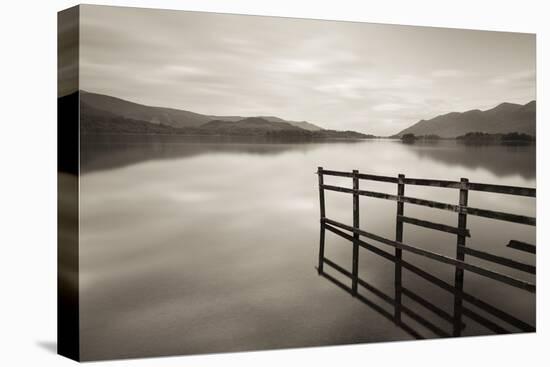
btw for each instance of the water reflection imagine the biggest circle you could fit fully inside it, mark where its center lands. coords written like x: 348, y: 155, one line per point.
x: 438, y: 321
x: 500, y: 159
x: 101, y: 152
x: 108, y: 152
x: 208, y: 245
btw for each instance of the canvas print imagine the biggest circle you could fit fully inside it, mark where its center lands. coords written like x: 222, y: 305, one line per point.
x: 233, y: 183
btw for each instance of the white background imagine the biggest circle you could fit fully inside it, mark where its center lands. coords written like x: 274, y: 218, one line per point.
x: 28, y: 183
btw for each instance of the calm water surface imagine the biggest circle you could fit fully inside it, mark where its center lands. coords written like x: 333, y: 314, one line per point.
x: 199, y: 246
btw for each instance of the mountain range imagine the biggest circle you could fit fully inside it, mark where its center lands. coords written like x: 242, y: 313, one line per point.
x: 502, y: 119
x: 102, y: 114
x: 169, y: 116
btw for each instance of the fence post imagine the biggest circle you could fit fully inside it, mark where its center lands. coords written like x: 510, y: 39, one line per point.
x: 355, y: 268
x: 322, y: 221
x: 460, y: 243
x: 398, y: 252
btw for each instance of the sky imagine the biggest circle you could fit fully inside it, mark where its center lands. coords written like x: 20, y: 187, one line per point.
x: 372, y: 78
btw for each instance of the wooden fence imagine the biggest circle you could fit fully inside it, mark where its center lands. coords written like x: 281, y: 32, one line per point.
x: 357, y: 237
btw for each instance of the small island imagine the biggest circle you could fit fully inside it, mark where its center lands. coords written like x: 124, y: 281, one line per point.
x: 411, y: 138
x: 478, y: 137
x: 473, y: 138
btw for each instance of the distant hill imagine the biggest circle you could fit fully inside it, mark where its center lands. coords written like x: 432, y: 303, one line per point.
x: 131, y: 110
x: 97, y: 121
x: 167, y: 116
x: 301, y: 124
x: 100, y: 114
x: 254, y: 123
x: 502, y: 119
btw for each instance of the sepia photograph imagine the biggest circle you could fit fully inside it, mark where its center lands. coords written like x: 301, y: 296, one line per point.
x: 232, y: 183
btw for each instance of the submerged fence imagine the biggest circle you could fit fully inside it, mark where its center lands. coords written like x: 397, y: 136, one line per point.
x: 355, y: 233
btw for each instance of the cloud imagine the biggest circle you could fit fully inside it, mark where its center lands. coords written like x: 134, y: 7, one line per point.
x: 451, y: 73
x: 342, y: 75
x: 516, y: 79
x: 296, y: 66
x: 388, y: 107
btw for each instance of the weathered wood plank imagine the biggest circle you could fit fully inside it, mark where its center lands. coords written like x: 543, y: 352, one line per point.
x: 522, y: 246
x: 460, y: 243
x: 499, y: 189
x: 398, y: 252
x: 406, y: 199
x: 521, y: 219
x: 355, y: 259
x: 321, y: 193
x: 433, y: 225
x: 432, y: 183
x: 322, y: 224
x: 502, y: 189
x: 431, y: 204
x: 500, y: 260
x: 378, y: 195
x: 492, y: 214
x: 338, y: 189
x: 364, y: 176
x: 361, y: 176
x: 335, y: 173
x: 475, y: 186
x: 530, y: 287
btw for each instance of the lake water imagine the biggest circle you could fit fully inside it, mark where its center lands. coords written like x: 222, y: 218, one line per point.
x: 204, y: 245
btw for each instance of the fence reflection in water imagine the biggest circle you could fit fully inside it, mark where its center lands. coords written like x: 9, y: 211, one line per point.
x: 455, y: 319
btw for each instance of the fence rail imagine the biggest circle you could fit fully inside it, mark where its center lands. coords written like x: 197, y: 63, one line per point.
x: 473, y: 186
x: 356, y: 236
x: 492, y: 214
